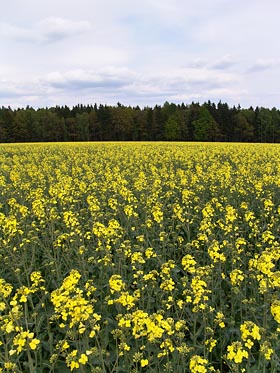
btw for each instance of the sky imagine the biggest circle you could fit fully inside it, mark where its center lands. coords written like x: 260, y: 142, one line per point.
x: 66, y: 52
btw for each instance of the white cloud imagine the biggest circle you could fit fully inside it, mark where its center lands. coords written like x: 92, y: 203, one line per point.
x: 263, y: 64
x: 12, y: 32
x: 55, y: 28
x: 215, y: 95
x: 47, y: 30
x: 128, y: 84
x: 224, y: 62
x: 62, y: 52
x: 121, y: 83
x: 109, y: 78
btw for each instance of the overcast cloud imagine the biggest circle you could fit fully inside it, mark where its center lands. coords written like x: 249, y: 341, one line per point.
x: 139, y: 52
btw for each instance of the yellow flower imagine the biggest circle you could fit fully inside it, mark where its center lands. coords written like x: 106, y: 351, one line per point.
x: 124, y: 322
x: 23, y: 299
x: 123, y: 347
x: 219, y: 319
x: 149, y: 252
x: 74, y: 365
x: 36, y: 278
x: 126, y: 300
x: 250, y: 330
x: 198, y: 364
x: 92, y: 334
x: 72, y: 360
x: 10, y: 365
x: 211, y: 343
x: 157, y: 213
x: 188, y: 263
x: 116, y: 283
x: 214, y: 252
x: 64, y: 346
x: 83, y: 359
x: 144, y: 362
x: 266, y: 349
x: 168, y: 285
x: 236, y: 352
x: 34, y: 343
x: 275, y: 310
x: 9, y: 327
x: 236, y: 277
x: 5, y: 288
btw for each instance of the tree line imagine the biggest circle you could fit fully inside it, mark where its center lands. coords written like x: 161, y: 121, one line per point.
x: 169, y: 122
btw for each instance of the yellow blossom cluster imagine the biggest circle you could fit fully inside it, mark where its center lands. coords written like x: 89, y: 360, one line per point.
x: 139, y: 257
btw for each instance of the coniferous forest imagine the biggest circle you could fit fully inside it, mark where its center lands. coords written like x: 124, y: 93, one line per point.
x: 169, y: 122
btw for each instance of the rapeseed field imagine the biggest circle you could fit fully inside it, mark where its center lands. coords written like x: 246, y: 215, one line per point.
x: 140, y: 257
